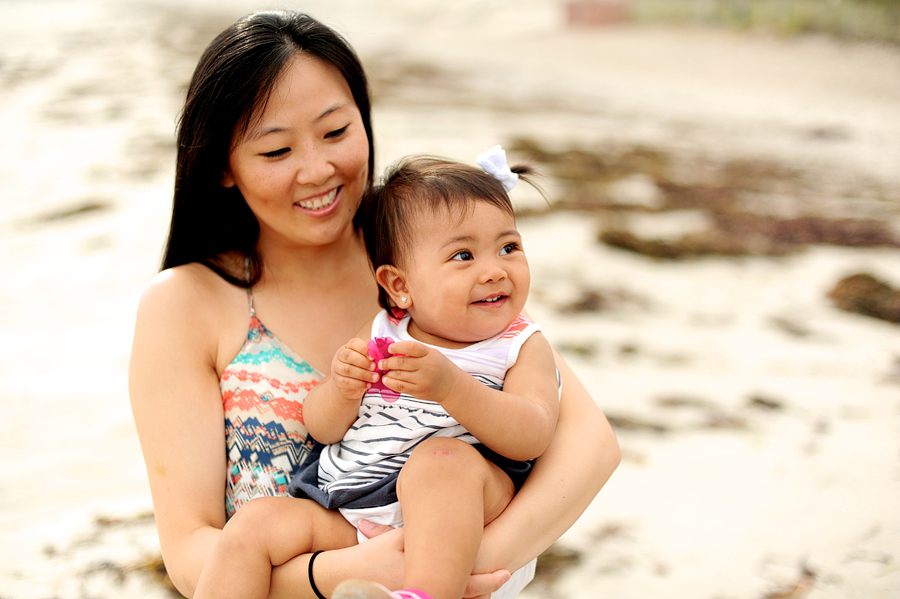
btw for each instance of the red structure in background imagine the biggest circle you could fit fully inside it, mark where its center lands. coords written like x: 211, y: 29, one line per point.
x: 593, y: 13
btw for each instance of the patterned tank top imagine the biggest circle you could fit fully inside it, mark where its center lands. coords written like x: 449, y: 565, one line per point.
x: 266, y: 439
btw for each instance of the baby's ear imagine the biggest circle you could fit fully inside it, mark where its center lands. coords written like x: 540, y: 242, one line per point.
x: 393, y: 281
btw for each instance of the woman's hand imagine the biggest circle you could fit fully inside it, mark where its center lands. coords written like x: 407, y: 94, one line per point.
x: 480, y: 586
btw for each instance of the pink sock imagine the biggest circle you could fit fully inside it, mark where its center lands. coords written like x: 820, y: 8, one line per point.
x: 410, y: 594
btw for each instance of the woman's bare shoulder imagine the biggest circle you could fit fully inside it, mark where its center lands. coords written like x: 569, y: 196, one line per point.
x: 189, y: 286
x: 192, y: 309
x: 194, y: 293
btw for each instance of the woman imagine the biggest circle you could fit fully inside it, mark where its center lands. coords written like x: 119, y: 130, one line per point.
x: 274, y: 153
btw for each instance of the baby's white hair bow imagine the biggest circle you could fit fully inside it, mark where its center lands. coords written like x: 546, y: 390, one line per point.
x: 493, y: 162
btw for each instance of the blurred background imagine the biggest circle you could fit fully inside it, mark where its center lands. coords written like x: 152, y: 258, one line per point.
x: 718, y: 261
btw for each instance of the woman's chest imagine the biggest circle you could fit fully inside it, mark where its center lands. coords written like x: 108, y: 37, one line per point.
x: 315, y: 328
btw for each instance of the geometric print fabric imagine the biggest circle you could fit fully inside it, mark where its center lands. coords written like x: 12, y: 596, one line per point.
x: 262, y: 392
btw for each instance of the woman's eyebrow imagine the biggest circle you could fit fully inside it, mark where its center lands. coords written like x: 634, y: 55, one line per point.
x: 259, y: 133
x: 332, y: 110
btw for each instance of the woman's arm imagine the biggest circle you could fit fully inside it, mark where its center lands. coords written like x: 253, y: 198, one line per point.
x: 178, y: 412
x: 580, y: 459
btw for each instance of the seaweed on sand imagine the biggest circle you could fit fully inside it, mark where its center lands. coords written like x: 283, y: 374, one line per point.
x: 752, y: 207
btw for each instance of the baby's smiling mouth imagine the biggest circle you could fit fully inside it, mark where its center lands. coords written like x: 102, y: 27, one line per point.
x: 321, y: 202
x: 491, y: 300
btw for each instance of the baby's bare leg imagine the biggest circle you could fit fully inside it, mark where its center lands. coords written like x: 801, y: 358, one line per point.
x: 448, y: 492
x: 266, y: 532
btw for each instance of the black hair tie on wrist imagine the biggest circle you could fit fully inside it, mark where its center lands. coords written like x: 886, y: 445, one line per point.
x: 312, y: 583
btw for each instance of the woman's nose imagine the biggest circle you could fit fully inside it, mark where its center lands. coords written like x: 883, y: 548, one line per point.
x: 314, y: 167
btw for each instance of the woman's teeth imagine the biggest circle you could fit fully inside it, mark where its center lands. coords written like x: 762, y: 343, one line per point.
x: 322, y: 202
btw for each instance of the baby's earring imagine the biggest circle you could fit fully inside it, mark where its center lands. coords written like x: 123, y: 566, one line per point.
x: 402, y: 301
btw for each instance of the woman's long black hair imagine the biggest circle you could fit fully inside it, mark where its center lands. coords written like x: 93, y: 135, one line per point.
x: 232, y: 81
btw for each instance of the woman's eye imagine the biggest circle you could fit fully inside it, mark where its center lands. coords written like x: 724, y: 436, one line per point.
x: 509, y: 248
x: 463, y: 255
x: 336, y: 132
x: 276, y: 153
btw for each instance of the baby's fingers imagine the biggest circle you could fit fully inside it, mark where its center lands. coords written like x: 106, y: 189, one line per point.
x: 349, y: 371
x: 405, y: 356
x: 354, y: 353
x: 401, y: 382
x: 413, y: 349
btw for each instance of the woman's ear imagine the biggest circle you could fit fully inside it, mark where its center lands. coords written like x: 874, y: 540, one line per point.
x: 227, y: 180
x: 393, y: 281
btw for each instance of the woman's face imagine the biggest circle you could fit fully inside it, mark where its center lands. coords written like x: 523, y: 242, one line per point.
x: 302, y: 165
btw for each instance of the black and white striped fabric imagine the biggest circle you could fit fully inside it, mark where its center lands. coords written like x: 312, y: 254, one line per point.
x: 360, y: 472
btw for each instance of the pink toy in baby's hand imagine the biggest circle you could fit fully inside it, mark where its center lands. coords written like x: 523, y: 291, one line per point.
x: 378, y: 350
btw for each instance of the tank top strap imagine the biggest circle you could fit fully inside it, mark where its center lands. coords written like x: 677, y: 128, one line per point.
x: 249, y: 289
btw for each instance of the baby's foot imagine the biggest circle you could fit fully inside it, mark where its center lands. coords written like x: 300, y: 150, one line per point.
x: 364, y: 589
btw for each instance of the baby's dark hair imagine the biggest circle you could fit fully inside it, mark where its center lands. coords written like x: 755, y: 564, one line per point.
x: 423, y: 184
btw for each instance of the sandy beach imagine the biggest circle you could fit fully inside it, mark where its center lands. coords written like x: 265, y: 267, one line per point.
x: 759, y: 423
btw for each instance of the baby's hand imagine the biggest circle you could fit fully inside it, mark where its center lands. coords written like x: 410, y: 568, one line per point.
x: 420, y: 371
x: 352, y: 370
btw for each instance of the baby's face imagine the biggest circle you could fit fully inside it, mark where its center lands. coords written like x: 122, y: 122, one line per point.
x: 467, y: 278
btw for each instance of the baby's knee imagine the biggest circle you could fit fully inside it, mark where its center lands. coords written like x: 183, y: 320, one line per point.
x: 442, y: 454
x: 437, y: 447
x: 256, y: 514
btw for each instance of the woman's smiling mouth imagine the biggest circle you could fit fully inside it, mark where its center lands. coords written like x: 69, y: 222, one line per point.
x: 320, y: 202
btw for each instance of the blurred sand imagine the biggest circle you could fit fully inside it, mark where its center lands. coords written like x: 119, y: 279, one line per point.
x: 750, y: 451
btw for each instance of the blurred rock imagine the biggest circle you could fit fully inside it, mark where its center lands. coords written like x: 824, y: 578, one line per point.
x: 862, y: 293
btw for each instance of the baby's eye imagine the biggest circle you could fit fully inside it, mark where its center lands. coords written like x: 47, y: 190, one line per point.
x: 276, y: 153
x: 336, y: 133
x: 509, y: 248
x: 462, y: 255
